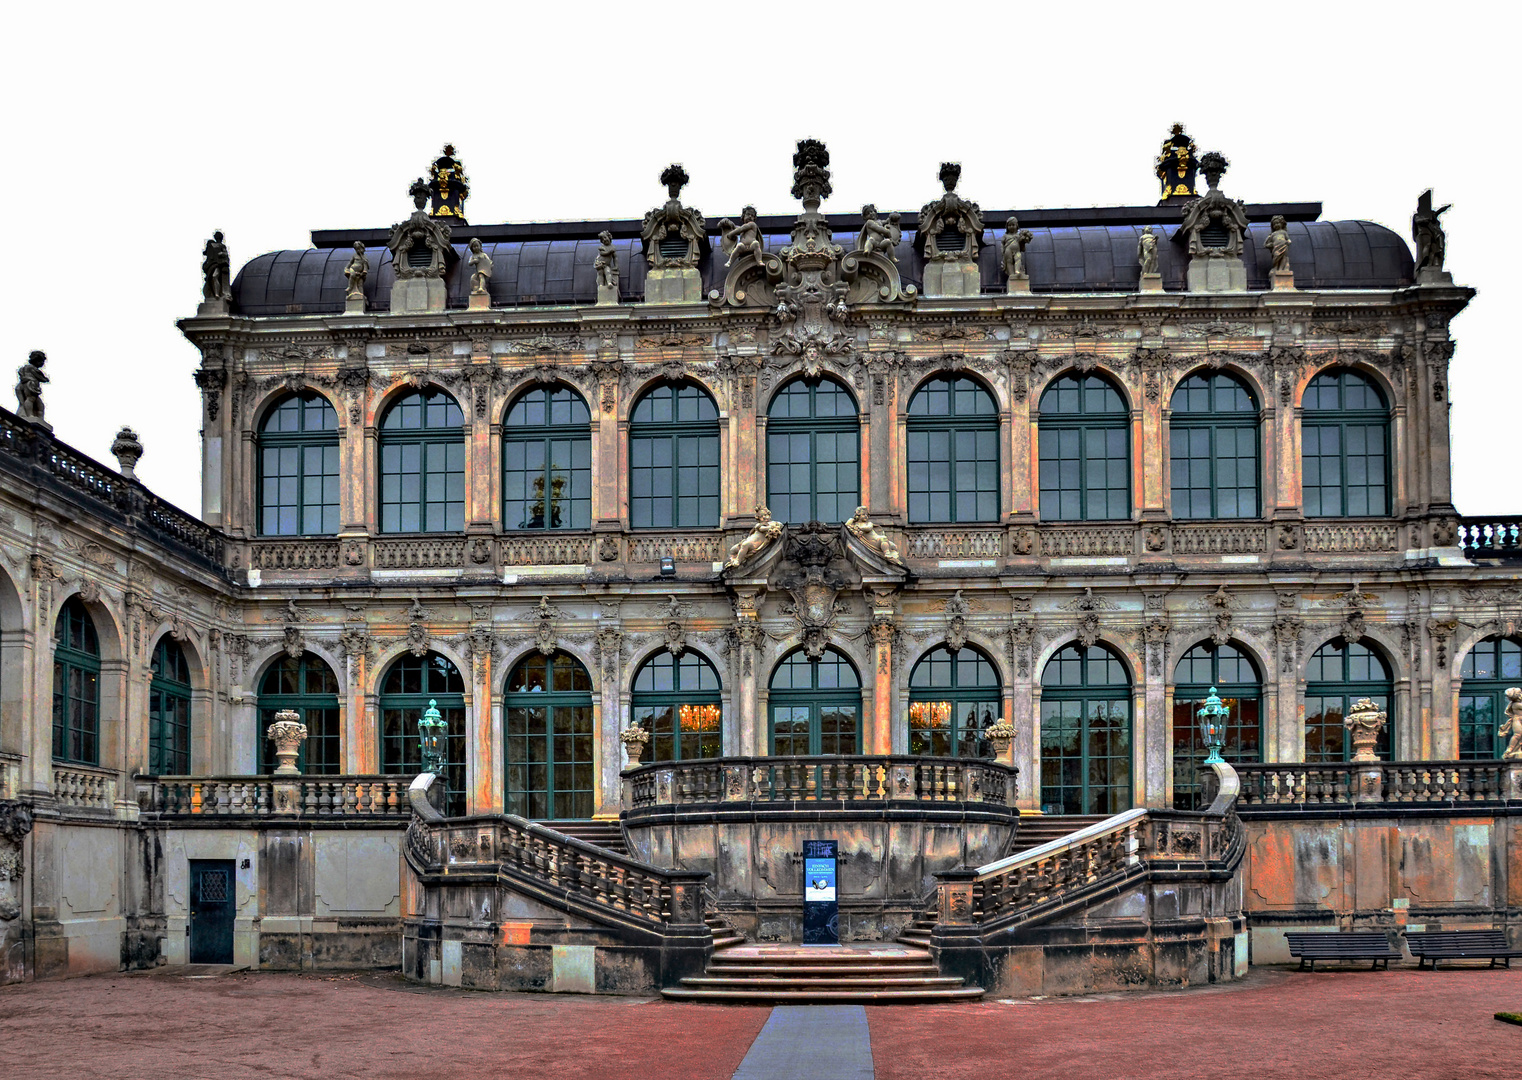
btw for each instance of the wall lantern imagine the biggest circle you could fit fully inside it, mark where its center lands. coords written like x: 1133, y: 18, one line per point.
x: 1212, y: 717
x: 668, y: 566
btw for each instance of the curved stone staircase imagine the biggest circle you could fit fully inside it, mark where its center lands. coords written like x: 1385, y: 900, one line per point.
x: 791, y: 974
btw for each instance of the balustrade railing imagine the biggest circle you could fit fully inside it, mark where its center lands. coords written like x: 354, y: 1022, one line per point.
x: 1353, y: 537
x: 683, y: 547
x: 954, y: 543
x: 354, y: 796
x: 431, y: 553
x: 294, y: 555
x: 1491, y: 537
x: 546, y: 550
x: 1446, y: 783
x: 77, y: 787
x: 1082, y: 541
x: 1219, y: 539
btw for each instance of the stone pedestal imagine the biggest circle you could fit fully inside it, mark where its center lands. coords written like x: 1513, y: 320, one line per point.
x: 479, y: 302
x: 1433, y: 277
x: 1511, y: 781
x: 354, y: 305
x: 221, y: 307
x: 674, y: 286
x: 1150, y: 283
x: 410, y: 295
x: 608, y: 294
x: 1282, y: 280
x: 1018, y: 285
x: 1219, y: 274
x: 952, y: 277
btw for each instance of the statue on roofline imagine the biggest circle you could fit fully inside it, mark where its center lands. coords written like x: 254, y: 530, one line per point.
x: 765, y: 533
x: 357, y: 271
x: 1146, y: 250
x: 216, y: 270
x: 1427, y: 231
x: 743, y: 239
x: 29, y: 380
x: 606, y: 263
x: 1278, y: 244
x: 879, y: 237
x: 1015, y: 239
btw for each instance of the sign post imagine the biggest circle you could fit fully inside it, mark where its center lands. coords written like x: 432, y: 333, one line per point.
x: 821, y: 908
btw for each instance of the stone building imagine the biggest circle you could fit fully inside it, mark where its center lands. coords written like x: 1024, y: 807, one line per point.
x: 564, y: 481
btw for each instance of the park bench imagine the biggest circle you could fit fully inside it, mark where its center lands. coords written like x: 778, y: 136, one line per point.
x: 1359, y: 945
x: 1438, y: 945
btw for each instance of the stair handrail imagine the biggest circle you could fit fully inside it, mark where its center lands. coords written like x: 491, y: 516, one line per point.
x: 1078, y: 838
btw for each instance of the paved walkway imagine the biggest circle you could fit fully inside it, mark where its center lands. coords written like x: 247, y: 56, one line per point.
x: 1392, y: 1025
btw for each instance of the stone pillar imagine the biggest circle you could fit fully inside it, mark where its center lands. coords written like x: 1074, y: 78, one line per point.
x: 745, y: 737
x: 488, y: 779
x: 880, y: 734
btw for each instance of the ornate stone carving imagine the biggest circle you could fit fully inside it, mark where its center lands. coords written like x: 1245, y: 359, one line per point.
x: 610, y: 642
x: 763, y: 536
x: 287, y: 733
x: 950, y: 214
x: 15, y: 823
x: 1088, y: 606
x: 1022, y: 634
x: 815, y: 586
x: 957, y: 610
x: 878, y: 237
x: 1287, y: 634
x: 211, y: 381
x: 29, y: 380
x: 1365, y: 720
x: 293, y: 641
x: 216, y: 270
x: 1215, y: 225
x: 861, y: 529
x: 665, y: 226
x: 547, y: 634
x: 420, y: 245
x: 1219, y: 604
x: 1441, y: 631
x: 1155, y: 638
x: 675, y: 633
x: 357, y: 271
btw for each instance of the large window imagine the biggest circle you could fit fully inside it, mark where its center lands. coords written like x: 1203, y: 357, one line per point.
x: 813, y: 453
x: 307, y: 686
x: 676, y: 699
x: 169, y: 711
x: 422, y: 465
x: 1085, y: 732
x: 815, y: 705
x: 547, y: 461
x: 1345, y: 447
x: 953, y: 699
x: 953, y: 430
x: 1213, y: 448
x: 1336, y: 677
x: 76, y: 686
x: 1084, y: 458
x: 1491, y: 666
x: 674, y: 459
x: 1228, y: 671
x: 547, y: 711
x: 298, y: 468
x: 409, y: 687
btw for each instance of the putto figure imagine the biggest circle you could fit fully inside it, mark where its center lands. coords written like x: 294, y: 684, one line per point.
x: 480, y: 269
x: 863, y: 529
x: 357, y: 271
x: 29, y: 380
x: 216, y: 269
x: 877, y: 236
x: 1513, y: 725
x: 1015, y: 239
x: 741, y: 240
x: 606, y: 263
x: 766, y: 533
x: 1278, y: 244
x: 1427, y: 231
x: 1146, y: 250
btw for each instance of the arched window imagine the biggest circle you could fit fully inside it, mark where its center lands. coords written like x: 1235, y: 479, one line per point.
x: 306, y: 685
x: 953, y: 699
x: 813, y: 453
x: 1213, y: 448
x: 1084, y: 459
x: 422, y: 464
x: 953, y: 430
x: 547, y: 711
x: 674, y: 459
x: 1085, y: 732
x: 1336, y: 677
x: 547, y: 461
x: 1345, y: 447
x: 1231, y: 673
x: 76, y: 686
x: 676, y: 699
x: 815, y: 705
x: 409, y: 686
x: 298, y: 468
x: 1491, y: 666
x: 169, y: 711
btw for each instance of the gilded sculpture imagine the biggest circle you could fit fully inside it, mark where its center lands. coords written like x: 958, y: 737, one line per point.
x: 448, y: 186
x: 765, y: 533
x: 1177, y: 165
x: 863, y: 529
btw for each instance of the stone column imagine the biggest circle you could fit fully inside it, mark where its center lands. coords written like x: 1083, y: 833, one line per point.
x: 485, y: 765
x: 745, y: 736
x: 879, y: 738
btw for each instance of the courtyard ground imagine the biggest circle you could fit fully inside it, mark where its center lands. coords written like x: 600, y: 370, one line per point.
x: 1276, y: 1023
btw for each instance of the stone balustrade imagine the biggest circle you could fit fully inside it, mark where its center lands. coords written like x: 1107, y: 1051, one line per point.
x: 423, y: 553
x: 80, y: 787
x: 1491, y: 537
x: 1442, y: 783
x: 357, y: 796
x: 954, y: 544
x: 300, y: 554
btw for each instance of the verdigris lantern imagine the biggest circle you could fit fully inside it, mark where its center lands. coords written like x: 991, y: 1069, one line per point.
x: 431, y: 729
x: 1212, y: 716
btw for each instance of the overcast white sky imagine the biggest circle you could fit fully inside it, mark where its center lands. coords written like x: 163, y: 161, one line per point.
x: 132, y: 131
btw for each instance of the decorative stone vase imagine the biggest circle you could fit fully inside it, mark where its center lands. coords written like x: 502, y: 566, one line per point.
x: 1365, y: 721
x: 635, y: 739
x: 1000, y: 735
x: 287, y: 733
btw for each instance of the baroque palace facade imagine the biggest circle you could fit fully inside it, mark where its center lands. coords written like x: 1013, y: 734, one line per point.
x: 567, y: 481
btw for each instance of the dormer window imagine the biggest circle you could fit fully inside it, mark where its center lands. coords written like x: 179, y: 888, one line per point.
x: 1215, y: 235
x: 419, y: 256
x: 951, y: 240
x: 674, y: 246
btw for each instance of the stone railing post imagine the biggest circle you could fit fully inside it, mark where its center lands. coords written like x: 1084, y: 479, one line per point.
x: 955, y: 894
x: 1364, y: 722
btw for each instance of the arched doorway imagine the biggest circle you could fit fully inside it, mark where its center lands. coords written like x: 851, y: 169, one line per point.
x: 410, y: 684
x: 1085, y: 732
x: 1234, y: 677
x: 676, y: 699
x: 953, y: 699
x: 815, y: 706
x: 547, y: 719
x: 1337, y: 676
x: 1491, y: 666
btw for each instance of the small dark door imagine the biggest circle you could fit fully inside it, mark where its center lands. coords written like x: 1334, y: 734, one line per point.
x: 212, y: 895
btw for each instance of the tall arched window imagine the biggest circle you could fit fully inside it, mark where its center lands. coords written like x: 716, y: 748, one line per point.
x: 298, y: 468
x: 674, y: 459
x: 953, y: 430
x: 76, y: 686
x: 1084, y: 458
x: 953, y: 699
x: 306, y: 685
x: 422, y: 464
x: 547, y: 711
x: 1213, y: 448
x: 676, y: 699
x: 815, y: 705
x: 1345, y: 447
x: 1336, y: 677
x: 1491, y: 666
x: 169, y: 711
x: 1231, y: 673
x: 410, y: 684
x: 547, y: 461
x: 1085, y: 732
x: 813, y: 453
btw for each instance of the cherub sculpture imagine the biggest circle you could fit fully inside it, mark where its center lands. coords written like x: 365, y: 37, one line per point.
x: 1277, y: 244
x: 1015, y: 239
x: 766, y: 533
x: 29, y: 380
x: 878, y: 237
x: 742, y: 239
x: 357, y: 271
x: 863, y: 529
x: 480, y: 269
x: 606, y: 263
x: 1513, y: 725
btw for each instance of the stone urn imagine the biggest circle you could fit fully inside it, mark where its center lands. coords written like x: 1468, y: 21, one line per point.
x: 635, y: 739
x: 1000, y: 735
x: 1364, y: 722
x: 287, y: 733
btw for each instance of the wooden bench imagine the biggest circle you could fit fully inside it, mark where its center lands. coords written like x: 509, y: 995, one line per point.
x: 1438, y: 945
x: 1372, y: 945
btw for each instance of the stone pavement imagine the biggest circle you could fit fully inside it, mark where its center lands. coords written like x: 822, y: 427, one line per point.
x: 1277, y: 1023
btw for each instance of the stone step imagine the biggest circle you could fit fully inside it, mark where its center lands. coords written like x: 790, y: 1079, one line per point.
x: 865, y: 996
x: 811, y: 983
x: 606, y: 835
x: 834, y: 971
x: 727, y: 940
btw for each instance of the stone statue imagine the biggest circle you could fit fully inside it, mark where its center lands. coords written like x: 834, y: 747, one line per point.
x: 863, y: 529
x: 673, y: 220
x: 766, y: 533
x: 29, y: 380
x: 1427, y: 231
x: 1513, y: 725
x: 743, y: 239
x: 480, y: 269
x: 878, y: 237
x: 1278, y: 244
x: 357, y: 271
x: 216, y: 270
x: 1146, y: 250
x: 951, y: 212
x: 1015, y: 239
x: 606, y: 263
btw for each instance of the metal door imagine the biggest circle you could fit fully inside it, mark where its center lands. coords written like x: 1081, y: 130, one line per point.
x: 212, y: 900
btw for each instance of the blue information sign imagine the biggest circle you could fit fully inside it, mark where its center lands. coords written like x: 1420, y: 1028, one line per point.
x: 821, y: 905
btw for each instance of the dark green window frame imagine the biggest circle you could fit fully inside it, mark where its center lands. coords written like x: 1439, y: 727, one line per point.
x: 1084, y: 451
x: 1086, y: 732
x: 305, y: 685
x: 953, y: 698
x: 408, y: 688
x: 1214, y: 457
x: 953, y: 452
x: 803, y: 449
x: 547, y: 461
x: 674, y: 459
x: 169, y: 711
x: 818, y: 718
x: 1337, y: 675
x: 677, y: 700
x: 76, y: 686
x: 298, y: 468
x: 549, y: 739
x: 1237, y: 682
x: 1494, y: 664
x: 1345, y: 447
x: 422, y: 464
